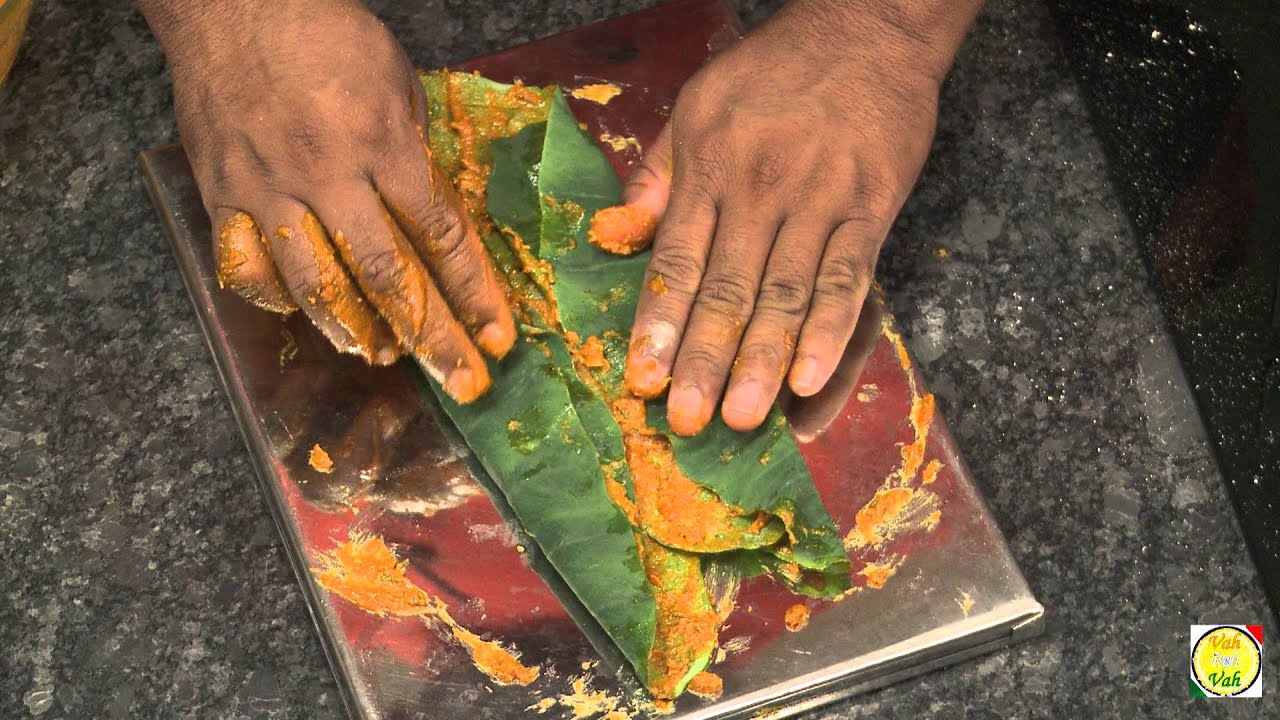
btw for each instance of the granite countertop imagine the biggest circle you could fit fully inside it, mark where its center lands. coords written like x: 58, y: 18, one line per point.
x: 143, y: 577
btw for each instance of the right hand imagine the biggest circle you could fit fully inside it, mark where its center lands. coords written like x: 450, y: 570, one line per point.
x: 304, y: 125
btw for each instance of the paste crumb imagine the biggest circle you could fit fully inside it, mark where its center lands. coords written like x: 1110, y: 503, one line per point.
x: 599, y: 93
x: 658, y: 285
x: 620, y: 143
x: 706, y: 685
x: 797, y: 617
x: 320, y: 460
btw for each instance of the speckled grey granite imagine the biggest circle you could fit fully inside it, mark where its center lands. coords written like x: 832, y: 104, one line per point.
x: 141, y: 576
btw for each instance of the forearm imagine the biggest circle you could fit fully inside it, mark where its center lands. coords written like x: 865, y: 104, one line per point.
x: 205, y: 28
x: 929, y: 32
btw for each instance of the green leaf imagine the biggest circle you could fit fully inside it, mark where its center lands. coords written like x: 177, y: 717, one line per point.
x: 762, y: 470
x: 529, y: 438
x: 757, y: 471
x: 518, y: 203
x: 546, y: 434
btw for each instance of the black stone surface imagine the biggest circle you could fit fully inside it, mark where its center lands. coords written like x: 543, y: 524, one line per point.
x: 1187, y: 102
x: 140, y: 574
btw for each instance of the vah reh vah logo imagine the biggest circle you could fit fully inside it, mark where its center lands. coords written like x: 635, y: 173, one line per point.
x: 1226, y: 661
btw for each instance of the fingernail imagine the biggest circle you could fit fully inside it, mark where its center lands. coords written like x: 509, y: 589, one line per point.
x: 643, y: 377
x: 743, y: 404
x: 805, y: 376
x: 464, y: 385
x: 386, y: 355
x: 647, y: 374
x: 496, y: 339
x: 687, y: 411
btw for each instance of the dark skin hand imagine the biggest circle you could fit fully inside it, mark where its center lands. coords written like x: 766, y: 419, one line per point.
x: 303, y: 123
x: 784, y: 164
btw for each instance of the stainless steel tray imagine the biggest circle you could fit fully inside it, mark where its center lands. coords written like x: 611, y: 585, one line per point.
x: 401, y: 474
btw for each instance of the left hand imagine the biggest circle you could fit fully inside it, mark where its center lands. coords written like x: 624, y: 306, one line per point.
x: 785, y: 162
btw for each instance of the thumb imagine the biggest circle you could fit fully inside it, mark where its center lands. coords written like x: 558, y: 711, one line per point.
x: 649, y: 186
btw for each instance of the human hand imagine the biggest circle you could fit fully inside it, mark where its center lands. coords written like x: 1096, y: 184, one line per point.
x: 304, y: 123
x: 784, y: 164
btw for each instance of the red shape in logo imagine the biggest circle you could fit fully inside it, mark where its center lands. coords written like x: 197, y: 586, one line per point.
x: 1256, y: 632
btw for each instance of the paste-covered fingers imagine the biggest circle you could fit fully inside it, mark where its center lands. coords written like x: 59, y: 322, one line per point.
x: 844, y: 276
x: 670, y: 284
x: 244, y: 265
x: 769, y: 342
x: 422, y: 200
x: 394, y: 281
x: 318, y: 283
x: 721, y: 310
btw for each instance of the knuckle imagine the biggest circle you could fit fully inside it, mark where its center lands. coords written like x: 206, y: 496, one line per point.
x: 433, y: 213
x: 874, y: 201
x: 767, y: 169
x: 224, y: 170
x: 381, y: 270
x: 450, y: 240
x: 305, y: 137
x: 729, y: 293
x: 784, y: 295
x: 842, y: 277
x: 708, y: 168
x: 760, y: 356
x: 701, y: 358
x: 679, y: 268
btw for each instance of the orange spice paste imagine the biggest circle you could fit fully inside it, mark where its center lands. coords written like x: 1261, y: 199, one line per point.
x: 320, y: 460
x: 599, y: 93
x: 622, y: 229
x: 687, y: 624
x: 883, y: 509
x: 877, y: 574
x: 366, y: 573
x: 796, y: 617
x: 707, y: 685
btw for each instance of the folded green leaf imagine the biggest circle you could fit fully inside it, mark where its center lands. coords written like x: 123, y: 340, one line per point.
x: 626, y: 511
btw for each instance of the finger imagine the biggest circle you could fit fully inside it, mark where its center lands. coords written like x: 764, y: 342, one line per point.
x: 630, y: 227
x: 393, y: 280
x: 671, y: 282
x: 422, y: 200
x: 812, y: 415
x: 770, y: 339
x: 649, y: 186
x: 320, y: 286
x: 724, y: 303
x: 417, y: 100
x: 839, y: 290
x: 244, y: 267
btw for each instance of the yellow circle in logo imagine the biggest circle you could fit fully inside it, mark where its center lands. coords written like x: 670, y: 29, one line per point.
x: 1226, y: 661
